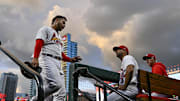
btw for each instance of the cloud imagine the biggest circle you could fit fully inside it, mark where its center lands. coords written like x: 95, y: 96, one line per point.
x: 97, y: 26
x: 118, y: 37
x: 82, y: 50
x: 152, y: 28
x: 20, y: 20
x: 33, y: 4
x: 14, y: 35
x: 76, y: 26
x: 20, y: 23
x: 159, y: 34
x: 104, y: 16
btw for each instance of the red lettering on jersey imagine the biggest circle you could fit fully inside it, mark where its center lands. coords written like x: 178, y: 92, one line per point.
x: 54, y: 36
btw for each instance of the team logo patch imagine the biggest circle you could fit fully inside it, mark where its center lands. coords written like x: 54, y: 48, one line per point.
x: 55, y: 39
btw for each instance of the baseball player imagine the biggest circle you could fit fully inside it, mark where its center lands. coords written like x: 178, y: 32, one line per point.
x: 128, y: 75
x: 157, y: 68
x: 48, y: 53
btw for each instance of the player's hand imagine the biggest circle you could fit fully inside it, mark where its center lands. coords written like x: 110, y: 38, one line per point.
x: 121, y: 87
x: 35, y: 62
x: 76, y: 59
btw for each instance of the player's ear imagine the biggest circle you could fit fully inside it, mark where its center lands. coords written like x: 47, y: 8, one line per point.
x: 57, y: 19
x: 54, y: 21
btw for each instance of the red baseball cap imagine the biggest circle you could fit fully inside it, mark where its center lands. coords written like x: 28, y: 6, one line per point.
x: 149, y: 56
x: 121, y: 47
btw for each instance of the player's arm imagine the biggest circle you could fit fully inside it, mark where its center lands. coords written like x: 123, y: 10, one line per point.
x: 41, y: 38
x: 68, y: 59
x: 65, y: 58
x: 128, y: 76
x: 37, y: 50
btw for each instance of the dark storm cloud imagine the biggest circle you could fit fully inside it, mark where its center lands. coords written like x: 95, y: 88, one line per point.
x: 156, y: 31
x: 105, y: 16
x: 15, y: 32
x: 19, y: 25
x: 159, y: 33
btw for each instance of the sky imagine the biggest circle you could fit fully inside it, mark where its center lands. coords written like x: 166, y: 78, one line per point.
x: 97, y: 25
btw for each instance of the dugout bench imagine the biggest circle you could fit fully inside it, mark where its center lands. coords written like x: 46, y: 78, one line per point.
x: 146, y: 81
x: 156, y: 83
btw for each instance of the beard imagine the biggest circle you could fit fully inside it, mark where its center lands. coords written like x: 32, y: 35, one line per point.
x: 119, y: 55
x: 59, y: 27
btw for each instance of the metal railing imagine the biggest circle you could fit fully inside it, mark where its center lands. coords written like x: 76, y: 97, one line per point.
x: 29, y: 70
x: 98, y: 74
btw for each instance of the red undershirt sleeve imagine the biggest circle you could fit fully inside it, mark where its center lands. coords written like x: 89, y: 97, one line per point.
x: 65, y: 58
x: 38, y: 46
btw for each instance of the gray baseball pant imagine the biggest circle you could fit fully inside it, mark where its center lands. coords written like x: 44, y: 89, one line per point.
x: 53, y: 78
x: 131, y: 91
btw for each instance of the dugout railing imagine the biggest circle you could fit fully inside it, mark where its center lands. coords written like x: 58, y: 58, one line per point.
x: 29, y: 70
x: 100, y: 75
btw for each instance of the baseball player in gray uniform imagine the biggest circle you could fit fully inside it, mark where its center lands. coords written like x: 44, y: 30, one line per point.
x: 48, y: 53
